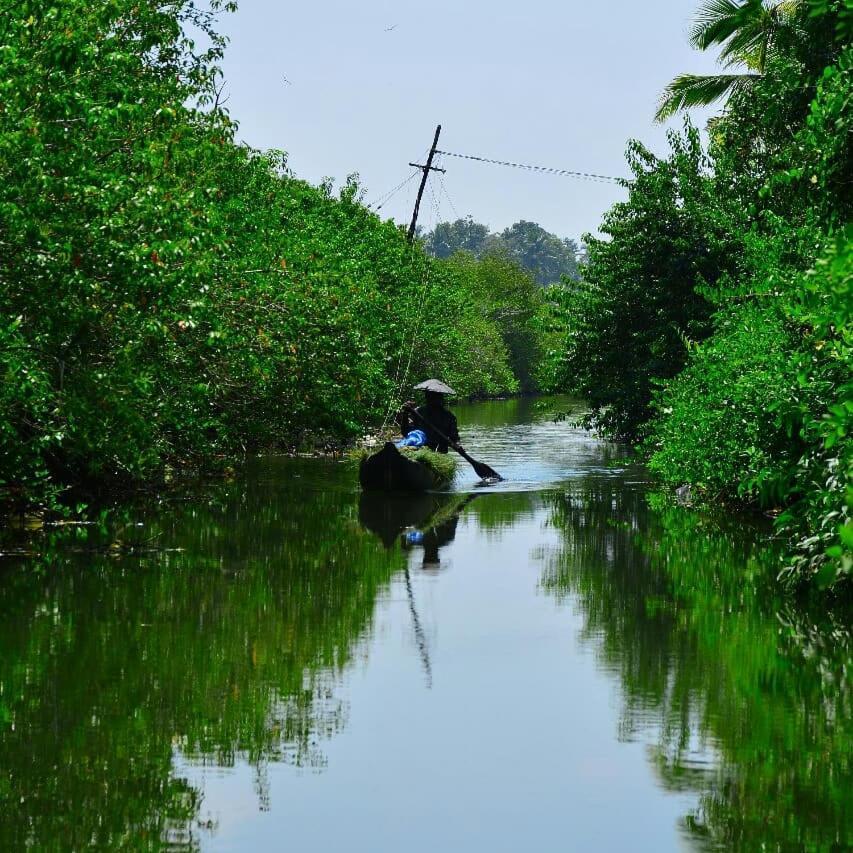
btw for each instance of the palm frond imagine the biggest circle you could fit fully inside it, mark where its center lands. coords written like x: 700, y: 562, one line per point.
x: 749, y: 46
x: 747, y: 29
x: 694, y: 90
x: 788, y: 8
x: 715, y: 21
x: 753, y: 42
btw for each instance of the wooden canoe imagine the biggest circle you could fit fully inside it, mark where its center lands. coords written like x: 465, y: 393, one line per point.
x: 388, y: 470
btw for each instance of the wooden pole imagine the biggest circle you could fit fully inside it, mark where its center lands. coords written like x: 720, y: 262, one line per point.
x: 426, y: 170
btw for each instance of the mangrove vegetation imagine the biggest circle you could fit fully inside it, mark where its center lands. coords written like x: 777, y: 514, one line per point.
x: 172, y: 297
x: 712, y: 322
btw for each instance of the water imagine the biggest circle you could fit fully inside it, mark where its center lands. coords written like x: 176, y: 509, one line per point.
x: 551, y: 663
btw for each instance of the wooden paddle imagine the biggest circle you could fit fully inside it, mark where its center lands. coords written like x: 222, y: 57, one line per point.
x: 482, y: 470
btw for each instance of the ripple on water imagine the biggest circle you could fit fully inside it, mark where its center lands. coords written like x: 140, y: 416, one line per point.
x: 544, y: 455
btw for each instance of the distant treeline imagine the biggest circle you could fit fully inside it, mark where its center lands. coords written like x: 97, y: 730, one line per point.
x: 170, y: 296
x: 546, y: 256
x: 712, y: 322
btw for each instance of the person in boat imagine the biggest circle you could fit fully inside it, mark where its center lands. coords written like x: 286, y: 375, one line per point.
x: 436, y: 417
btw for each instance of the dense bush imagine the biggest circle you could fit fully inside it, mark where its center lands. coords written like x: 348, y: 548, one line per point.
x: 168, y: 295
x: 639, y: 301
x: 749, y: 244
x: 820, y: 521
x: 762, y: 411
x: 730, y: 444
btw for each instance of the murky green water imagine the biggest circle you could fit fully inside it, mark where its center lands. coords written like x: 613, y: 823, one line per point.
x: 280, y: 663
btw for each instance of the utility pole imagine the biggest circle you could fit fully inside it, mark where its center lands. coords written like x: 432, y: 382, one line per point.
x: 426, y: 170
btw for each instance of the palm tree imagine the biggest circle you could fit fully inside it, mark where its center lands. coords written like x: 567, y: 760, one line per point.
x: 749, y: 32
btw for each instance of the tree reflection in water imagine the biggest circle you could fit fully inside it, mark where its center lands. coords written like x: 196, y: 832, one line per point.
x: 122, y: 663
x: 748, y: 697
x: 226, y: 650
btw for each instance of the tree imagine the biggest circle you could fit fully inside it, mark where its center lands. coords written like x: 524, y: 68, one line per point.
x: 762, y: 410
x: 509, y: 296
x: 749, y: 32
x: 545, y: 255
x: 630, y: 320
x: 170, y: 296
x: 463, y: 235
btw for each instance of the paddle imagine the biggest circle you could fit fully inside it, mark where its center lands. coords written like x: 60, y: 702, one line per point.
x: 482, y: 470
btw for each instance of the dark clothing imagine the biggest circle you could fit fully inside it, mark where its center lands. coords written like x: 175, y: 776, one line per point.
x: 440, y: 418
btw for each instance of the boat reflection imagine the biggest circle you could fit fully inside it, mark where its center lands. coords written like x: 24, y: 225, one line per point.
x: 427, y: 521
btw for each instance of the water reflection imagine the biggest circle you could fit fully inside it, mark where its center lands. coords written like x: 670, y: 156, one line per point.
x: 224, y: 633
x: 227, y: 650
x: 419, y: 522
x: 744, y: 699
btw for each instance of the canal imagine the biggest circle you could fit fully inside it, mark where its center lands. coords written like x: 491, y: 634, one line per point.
x: 564, y: 661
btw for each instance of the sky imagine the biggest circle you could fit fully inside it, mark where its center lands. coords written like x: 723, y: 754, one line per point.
x: 348, y: 87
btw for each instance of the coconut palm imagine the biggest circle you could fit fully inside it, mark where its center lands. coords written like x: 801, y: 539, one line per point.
x: 749, y: 32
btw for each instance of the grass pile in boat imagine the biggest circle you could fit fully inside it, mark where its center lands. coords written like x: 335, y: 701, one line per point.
x: 442, y: 464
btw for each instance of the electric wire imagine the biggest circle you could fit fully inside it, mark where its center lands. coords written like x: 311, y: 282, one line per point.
x: 383, y: 200
x: 447, y: 196
x: 589, y: 176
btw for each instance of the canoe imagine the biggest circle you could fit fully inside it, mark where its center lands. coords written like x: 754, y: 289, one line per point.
x: 389, y: 470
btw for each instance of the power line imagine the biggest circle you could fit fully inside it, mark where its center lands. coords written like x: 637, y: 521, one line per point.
x: 589, y: 176
x: 447, y: 196
x: 383, y: 200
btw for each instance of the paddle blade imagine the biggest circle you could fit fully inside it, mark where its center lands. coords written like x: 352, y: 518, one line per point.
x: 485, y: 472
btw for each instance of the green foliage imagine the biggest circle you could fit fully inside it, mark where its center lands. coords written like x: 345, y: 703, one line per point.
x: 820, y: 521
x: 750, y: 33
x: 512, y: 302
x: 26, y: 424
x: 729, y: 445
x: 171, y: 296
x: 463, y: 235
x: 762, y: 411
x: 546, y: 256
x: 759, y: 412
x: 639, y: 305
x: 700, y: 90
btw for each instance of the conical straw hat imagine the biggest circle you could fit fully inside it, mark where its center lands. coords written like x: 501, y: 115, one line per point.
x: 436, y: 386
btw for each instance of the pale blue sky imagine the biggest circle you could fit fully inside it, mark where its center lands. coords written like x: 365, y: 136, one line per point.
x: 541, y: 82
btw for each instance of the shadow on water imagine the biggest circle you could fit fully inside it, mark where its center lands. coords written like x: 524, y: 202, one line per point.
x: 229, y: 646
